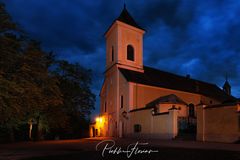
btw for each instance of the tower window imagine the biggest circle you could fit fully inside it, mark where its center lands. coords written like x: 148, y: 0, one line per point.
x: 112, y: 53
x: 130, y: 53
x: 121, y: 101
x: 105, y: 107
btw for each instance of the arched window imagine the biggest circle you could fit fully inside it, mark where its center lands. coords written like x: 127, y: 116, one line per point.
x: 130, y: 53
x: 112, y: 53
x: 191, y: 112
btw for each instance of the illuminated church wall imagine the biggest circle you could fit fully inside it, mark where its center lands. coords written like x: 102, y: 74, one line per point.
x: 143, y: 94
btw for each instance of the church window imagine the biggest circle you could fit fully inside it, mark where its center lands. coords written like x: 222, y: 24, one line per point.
x: 112, y: 53
x: 121, y: 101
x: 137, y: 128
x: 130, y: 53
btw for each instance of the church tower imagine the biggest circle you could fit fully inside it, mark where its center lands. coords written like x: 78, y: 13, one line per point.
x: 124, y: 43
x: 124, y: 49
x: 227, y: 87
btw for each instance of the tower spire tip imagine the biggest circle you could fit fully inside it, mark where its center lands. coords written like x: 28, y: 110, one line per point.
x: 226, y: 77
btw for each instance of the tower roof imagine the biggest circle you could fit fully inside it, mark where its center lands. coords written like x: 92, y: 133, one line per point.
x: 126, y: 18
x: 226, y: 84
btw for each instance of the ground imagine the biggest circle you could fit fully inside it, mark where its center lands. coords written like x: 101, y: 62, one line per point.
x: 86, y: 149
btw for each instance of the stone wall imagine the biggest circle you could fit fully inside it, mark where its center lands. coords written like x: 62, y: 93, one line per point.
x: 218, y: 123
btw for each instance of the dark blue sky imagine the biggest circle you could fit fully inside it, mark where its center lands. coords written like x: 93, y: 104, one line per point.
x: 195, y: 37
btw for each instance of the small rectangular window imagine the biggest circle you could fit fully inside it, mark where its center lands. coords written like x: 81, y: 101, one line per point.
x: 121, y: 101
x: 105, y: 107
x: 112, y: 54
x: 137, y: 128
x: 239, y: 122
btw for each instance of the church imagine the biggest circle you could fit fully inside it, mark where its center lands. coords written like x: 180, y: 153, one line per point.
x: 143, y: 102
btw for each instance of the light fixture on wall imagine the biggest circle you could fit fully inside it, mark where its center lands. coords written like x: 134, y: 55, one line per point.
x: 100, y: 120
x: 124, y: 114
x: 153, y: 111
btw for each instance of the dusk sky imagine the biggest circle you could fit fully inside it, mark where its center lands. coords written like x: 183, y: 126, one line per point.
x: 195, y: 37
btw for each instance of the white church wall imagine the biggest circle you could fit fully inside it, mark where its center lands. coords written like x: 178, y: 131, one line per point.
x: 162, y: 126
x: 143, y: 94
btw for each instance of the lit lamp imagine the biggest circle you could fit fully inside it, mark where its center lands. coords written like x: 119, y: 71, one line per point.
x: 100, y: 120
x: 153, y: 111
x: 97, y: 119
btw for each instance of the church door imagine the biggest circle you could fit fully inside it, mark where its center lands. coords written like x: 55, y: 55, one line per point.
x: 93, y: 131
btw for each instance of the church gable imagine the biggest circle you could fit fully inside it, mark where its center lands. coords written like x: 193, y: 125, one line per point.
x: 172, y: 98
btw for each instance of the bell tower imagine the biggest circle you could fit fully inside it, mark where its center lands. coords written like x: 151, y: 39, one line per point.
x: 124, y: 43
x: 227, y: 87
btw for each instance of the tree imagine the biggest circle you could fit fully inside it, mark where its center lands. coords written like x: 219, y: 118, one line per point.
x: 6, y: 23
x: 41, y: 92
x: 27, y: 90
x: 35, y: 89
x: 75, y: 82
x: 10, y: 49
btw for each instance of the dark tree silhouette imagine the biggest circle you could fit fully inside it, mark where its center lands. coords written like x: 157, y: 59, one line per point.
x: 78, y: 101
x: 36, y: 90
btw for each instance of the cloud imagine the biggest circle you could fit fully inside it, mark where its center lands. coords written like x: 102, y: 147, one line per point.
x: 195, y: 37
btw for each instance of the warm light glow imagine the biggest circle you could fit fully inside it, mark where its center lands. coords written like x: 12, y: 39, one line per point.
x: 97, y: 119
x: 101, y: 120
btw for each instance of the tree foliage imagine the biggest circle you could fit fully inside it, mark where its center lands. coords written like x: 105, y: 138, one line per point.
x: 31, y: 90
x: 74, y: 82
